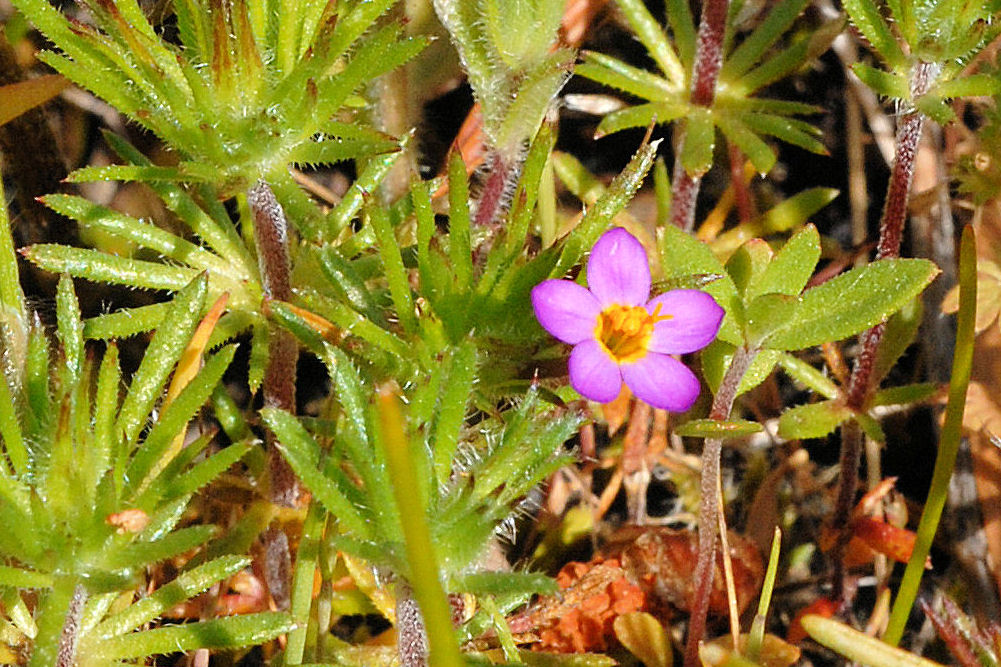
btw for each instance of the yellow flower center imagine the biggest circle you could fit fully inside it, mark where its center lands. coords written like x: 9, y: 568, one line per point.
x: 624, y: 331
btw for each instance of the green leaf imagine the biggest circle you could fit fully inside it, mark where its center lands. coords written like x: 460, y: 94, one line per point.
x: 15, y: 577
x: 184, y: 587
x: 766, y: 312
x: 451, y: 413
x: 766, y: 34
x: 760, y: 154
x: 790, y: 130
x: 101, y: 267
x: 303, y: 454
x: 119, y: 225
x: 597, y: 218
x: 814, y: 420
x: 339, y: 149
x: 140, y: 554
x: 866, y: 16
x: 126, y: 322
x: 900, y: 332
x: 973, y: 85
x: 535, y: 93
x: 368, y: 181
x: 808, y: 376
x: 641, y: 115
x: 935, y: 108
x: 396, y: 273
x: 858, y: 646
x: 162, y: 354
x: 157, y: 449
x: 893, y: 85
x: 905, y: 394
x: 222, y: 633
x: 652, y: 36
x: 748, y: 264
x: 700, y: 141
x: 211, y: 223
x: 683, y: 255
x: 851, y: 303
x: 792, y: 266
x: 69, y: 328
x: 617, y: 74
x: 796, y: 210
x: 870, y: 427
x: 716, y: 358
x: 505, y: 583
x: 711, y: 428
x: 460, y: 253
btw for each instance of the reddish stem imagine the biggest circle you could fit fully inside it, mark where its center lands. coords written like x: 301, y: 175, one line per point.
x: 492, y: 197
x: 709, y: 504
x: 66, y: 656
x: 741, y: 193
x: 891, y: 232
x: 708, y: 61
x: 278, y: 386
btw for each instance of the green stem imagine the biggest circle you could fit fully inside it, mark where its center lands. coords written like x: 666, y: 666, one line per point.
x: 945, y: 461
x: 424, y: 573
x: 302, y: 582
x: 53, y: 618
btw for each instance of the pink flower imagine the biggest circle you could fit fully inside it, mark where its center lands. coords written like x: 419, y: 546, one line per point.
x: 618, y: 334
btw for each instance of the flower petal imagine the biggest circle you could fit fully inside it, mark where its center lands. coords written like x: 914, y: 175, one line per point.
x: 662, y: 381
x: 695, y: 321
x: 618, y: 271
x: 593, y: 373
x: 566, y: 310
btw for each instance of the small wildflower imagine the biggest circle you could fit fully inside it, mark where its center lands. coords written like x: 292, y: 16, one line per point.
x: 618, y: 334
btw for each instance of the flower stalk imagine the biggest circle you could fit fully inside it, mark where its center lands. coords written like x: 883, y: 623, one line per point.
x: 859, y: 386
x: 710, y: 503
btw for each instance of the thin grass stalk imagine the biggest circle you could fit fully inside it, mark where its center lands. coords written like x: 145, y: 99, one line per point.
x: 709, y: 504
x: 952, y: 430
x: 430, y: 619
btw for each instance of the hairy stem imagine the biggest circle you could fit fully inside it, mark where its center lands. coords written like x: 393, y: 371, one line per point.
x: 492, y: 197
x: 891, y: 230
x: 710, y: 503
x: 708, y: 61
x: 411, y: 633
x: 271, y: 236
x: 71, y: 628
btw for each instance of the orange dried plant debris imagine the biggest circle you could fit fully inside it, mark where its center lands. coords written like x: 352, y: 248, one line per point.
x: 644, y: 569
x: 580, y: 618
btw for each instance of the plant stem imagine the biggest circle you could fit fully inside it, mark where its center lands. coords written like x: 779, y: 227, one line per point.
x: 71, y: 628
x: 302, y: 583
x: 709, y: 504
x: 952, y: 431
x: 54, y: 614
x: 492, y: 196
x: 426, y: 620
x: 271, y: 236
x: 411, y: 633
x: 708, y: 61
x: 890, y: 234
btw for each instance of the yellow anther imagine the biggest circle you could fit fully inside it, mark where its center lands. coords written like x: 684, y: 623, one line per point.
x: 625, y: 331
